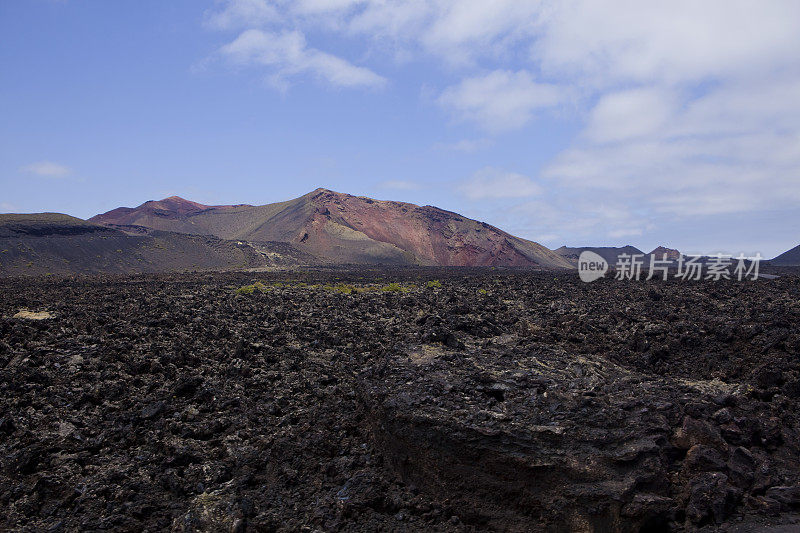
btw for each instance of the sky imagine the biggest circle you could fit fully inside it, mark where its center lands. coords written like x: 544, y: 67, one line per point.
x: 573, y: 123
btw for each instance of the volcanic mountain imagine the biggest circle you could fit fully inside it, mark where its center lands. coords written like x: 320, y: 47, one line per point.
x: 609, y: 253
x: 671, y: 253
x: 788, y: 258
x: 166, y: 214
x: 54, y: 243
x: 341, y: 228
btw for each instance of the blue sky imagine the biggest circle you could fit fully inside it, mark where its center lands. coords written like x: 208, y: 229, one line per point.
x: 570, y: 122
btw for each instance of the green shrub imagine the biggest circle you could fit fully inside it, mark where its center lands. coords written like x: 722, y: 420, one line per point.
x: 394, y: 287
x: 435, y: 284
x: 250, y: 289
x: 344, y: 288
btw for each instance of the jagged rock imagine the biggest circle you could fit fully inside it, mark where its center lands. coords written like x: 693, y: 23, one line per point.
x: 711, y: 499
x: 693, y: 432
x: 788, y: 497
x: 741, y: 466
x: 702, y: 458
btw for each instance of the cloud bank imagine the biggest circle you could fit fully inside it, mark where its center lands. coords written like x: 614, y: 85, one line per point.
x: 688, y: 109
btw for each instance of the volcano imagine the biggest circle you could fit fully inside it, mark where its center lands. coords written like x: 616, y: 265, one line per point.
x: 345, y: 229
x: 788, y: 258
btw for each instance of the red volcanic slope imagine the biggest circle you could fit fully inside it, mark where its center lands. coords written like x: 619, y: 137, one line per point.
x: 172, y: 207
x: 342, y: 228
x: 430, y: 234
x: 671, y: 253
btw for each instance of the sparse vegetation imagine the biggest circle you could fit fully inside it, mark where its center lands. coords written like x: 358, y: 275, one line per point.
x: 434, y: 284
x: 343, y: 288
x: 250, y: 289
x: 395, y: 287
x: 340, y: 288
x: 347, y: 289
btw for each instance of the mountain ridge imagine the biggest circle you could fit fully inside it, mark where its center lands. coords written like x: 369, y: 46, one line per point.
x: 55, y: 243
x: 609, y: 253
x: 790, y: 257
x: 344, y: 228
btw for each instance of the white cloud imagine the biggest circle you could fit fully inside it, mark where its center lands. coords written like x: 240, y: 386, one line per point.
x: 316, y: 7
x: 625, y: 232
x: 400, y: 185
x: 667, y: 42
x: 479, y: 22
x: 712, y: 127
x: 633, y: 41
x: 457, y: 31
x: 501, y: 100
x: 732, y: 150
x: 47, y: 169
x: 236, y: 14
x: 287, y: 54
x: 494, y: 183
x: 464, y: 145
x: 575, y: 219
x: 630, y: 114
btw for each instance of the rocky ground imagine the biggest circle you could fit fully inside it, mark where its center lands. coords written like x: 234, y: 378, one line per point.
x: 384, y: 400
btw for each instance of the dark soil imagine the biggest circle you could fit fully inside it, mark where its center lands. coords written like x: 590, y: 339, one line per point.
x: 500, y: 400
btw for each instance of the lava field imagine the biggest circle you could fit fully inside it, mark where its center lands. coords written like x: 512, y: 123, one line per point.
x: 392, y: 400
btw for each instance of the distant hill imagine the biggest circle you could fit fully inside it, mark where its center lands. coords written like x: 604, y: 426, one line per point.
x: 788, y: 258
x: 170, y: 214
x: 609, y: 253
x: 46, y: 224
x: 671, y: 253
x: 341, y: 228
x: 53, y: 243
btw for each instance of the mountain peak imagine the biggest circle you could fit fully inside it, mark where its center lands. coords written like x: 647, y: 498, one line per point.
x: 660, y: 251
x: 178, y: 201
x: 175, y: 205
x: 788, y: 258
x: 320, y: 191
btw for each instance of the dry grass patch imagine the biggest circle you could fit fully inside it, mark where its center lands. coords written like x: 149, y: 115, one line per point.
x: 33, y: 315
